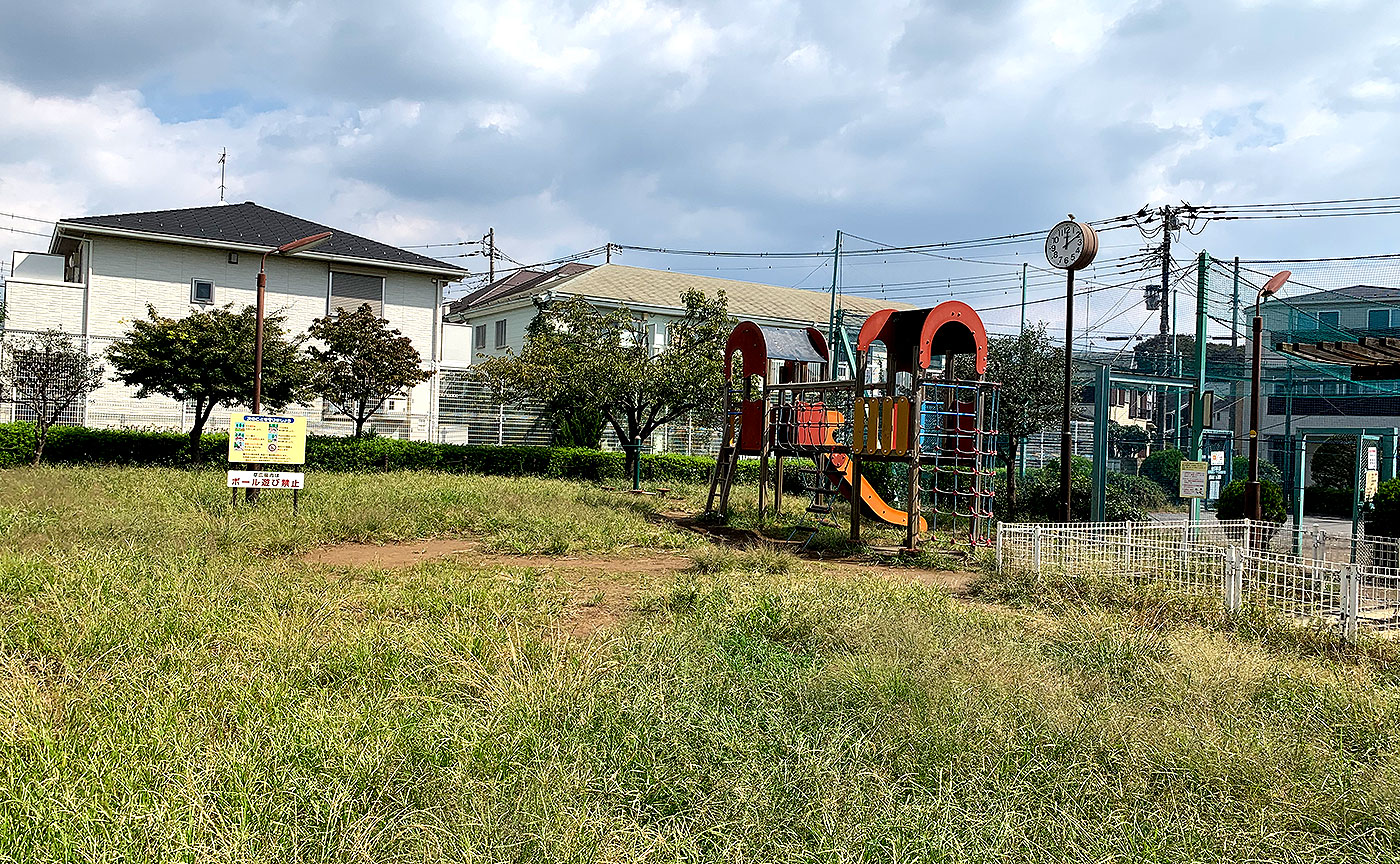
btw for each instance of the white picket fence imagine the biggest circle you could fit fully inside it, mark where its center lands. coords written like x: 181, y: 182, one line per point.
x: 1353, y: 582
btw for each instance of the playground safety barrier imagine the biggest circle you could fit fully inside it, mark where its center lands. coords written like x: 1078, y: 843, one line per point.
x: 1352, y: 582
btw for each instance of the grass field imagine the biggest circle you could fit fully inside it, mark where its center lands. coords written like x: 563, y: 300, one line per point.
x: 183, y: 682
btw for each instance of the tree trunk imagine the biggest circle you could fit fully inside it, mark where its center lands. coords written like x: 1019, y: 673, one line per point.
x: 41, y: 437
x: 201, y: 416
x: 360, y: 425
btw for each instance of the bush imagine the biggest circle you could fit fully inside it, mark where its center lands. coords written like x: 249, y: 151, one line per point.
x: 1383, y: 519
x: 1230, y: 505
x: 1164, y: 469
x: 1329, y: 501
x: 1239, y: 470
x: 78, y: 445
x: 1127, y: 498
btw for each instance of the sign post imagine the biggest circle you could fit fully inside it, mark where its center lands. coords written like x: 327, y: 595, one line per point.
x: 266, y: 439
x: 1192, y: 482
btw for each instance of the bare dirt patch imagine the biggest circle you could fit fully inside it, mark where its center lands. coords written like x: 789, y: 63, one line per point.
x: 598, y: 589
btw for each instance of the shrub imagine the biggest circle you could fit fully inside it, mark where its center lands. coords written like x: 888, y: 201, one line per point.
x: 1126, y: 498
x: 1239, y: 468
x: 1383, y: 520
x: 76, y: 445
x: 1329, y: 501
x: 1230, y: 505
x: 1164, y: 468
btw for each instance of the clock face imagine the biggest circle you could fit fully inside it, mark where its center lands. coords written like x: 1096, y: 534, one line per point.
x: 1070, y: 245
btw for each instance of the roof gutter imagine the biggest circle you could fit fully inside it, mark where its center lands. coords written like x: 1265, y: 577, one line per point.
x: 250, y: 247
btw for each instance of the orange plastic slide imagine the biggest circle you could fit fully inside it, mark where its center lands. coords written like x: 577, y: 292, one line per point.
x: 843, y: 468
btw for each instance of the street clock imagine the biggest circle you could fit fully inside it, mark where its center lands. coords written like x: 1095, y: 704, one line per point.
x: 1071, y: 245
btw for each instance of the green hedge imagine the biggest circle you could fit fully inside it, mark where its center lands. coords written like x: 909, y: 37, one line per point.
x: 78, y: 445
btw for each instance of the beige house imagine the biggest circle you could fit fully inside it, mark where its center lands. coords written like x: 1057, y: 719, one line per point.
x: 493, y: 320
x: 100, y: 272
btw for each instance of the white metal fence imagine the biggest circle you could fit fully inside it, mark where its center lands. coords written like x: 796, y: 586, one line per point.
x: 1353, y: 582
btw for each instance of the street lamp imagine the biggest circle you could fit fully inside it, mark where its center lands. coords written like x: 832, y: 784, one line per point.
x: 292, y: 248
x: 1252, y: 504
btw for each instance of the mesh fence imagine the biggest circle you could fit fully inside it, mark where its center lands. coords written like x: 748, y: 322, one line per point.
x: 1350, y: 581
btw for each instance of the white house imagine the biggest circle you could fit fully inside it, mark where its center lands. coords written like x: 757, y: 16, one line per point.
x: 100, y: 272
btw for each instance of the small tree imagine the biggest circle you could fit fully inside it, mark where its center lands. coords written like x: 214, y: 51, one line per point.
x: 1031, y: 371
x: 363, y: 363
x: 207, y: 358
x: 1334, y: 463
x: 47, y: 375
x: 577, y: 357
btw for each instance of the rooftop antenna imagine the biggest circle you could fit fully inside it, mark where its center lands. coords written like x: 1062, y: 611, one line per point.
x: 223, y: 160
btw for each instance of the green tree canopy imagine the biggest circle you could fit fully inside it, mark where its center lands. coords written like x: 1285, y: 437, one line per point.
x: 363, y: 362
x: 47, y: 375
x: 578, y: 357
x: 206, y: 358
x: 1334, y: 463
x: 1031, y: 371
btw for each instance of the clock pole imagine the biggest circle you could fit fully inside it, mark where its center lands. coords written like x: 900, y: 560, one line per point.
x: 1070, y: 246
x: 1066, y: 440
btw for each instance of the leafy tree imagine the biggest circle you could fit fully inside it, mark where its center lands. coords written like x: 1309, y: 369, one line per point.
x: 578, y: 358
x: 363, y: 363
x: 1031, y: 371
x: 207, y: 358
x: 1334, y: 463
x: 1126, y: 441
x: 1383, y: 519
x: 47, y: 374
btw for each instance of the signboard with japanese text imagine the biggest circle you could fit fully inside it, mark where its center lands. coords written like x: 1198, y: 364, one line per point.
x: 1373, y: 482
x: 1193, y: 479
x: 267, y: 439
x: 266, y: 479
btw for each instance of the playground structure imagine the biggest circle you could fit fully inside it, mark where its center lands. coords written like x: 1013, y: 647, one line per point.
x: 936, y: 432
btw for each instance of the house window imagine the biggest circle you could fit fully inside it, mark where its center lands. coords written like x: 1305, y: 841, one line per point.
x: 201, y: 291
x: 656, y: 336
x: 1329, y: 319
x: 349, y: 291
x: 501, y: 333
x: 1381, y: 319
x: 479, y: 337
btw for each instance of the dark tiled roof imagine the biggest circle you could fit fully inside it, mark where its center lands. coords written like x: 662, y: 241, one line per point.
x: 257, y: 226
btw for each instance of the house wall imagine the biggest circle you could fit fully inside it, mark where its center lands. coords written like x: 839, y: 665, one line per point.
x: 124, y: 276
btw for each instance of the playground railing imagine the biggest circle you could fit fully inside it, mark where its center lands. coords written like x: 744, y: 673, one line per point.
x: 1238, y: 562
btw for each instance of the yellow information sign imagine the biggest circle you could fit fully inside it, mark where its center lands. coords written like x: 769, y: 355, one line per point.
x: 267, y: 438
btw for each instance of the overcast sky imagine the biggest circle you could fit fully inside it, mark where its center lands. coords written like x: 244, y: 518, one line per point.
x: 711, y: 125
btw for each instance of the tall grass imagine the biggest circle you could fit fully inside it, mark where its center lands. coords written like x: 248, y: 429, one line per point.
x: 177, y: 684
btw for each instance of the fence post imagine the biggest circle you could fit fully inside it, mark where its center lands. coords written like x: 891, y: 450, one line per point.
x: 1351, y: 602
x: 1234, y: 579
x: 999, y: 559
x: 1035, y: 548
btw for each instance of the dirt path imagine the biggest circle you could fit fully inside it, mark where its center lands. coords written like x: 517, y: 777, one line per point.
x: 599, y: 588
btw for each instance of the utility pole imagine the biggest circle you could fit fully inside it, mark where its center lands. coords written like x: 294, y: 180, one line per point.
x: 1198, y: 396
x: 1023, y: 296
x: 490, y: 239
x: 831, y: 328
x: 223, y: 162
x: 607, y: 254
x: 1168, y: 215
